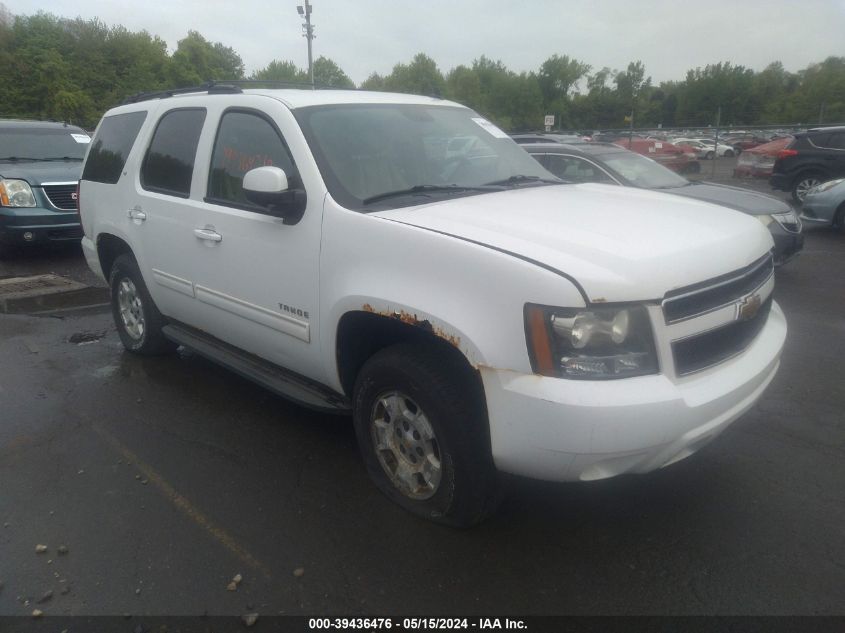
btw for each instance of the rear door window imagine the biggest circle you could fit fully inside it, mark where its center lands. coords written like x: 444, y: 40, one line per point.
x: 169, y: 164
x: 573, y: 169
x: 111, y: 146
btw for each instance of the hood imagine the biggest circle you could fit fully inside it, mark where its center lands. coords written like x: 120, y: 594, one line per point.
x: 618, y: 243
x: 736, y: 198
x: 36, y: 173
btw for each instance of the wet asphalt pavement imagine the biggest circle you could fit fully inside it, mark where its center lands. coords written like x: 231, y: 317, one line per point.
x: 166, y: 477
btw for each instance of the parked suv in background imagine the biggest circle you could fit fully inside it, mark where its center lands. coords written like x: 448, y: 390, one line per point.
x: 40, y: 163
x: 811, y: 158
x: 471, y: 311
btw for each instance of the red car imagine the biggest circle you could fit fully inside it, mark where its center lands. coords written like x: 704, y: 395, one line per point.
x: 758, y: 161
x: 742, y: 142
x: 679, y: 159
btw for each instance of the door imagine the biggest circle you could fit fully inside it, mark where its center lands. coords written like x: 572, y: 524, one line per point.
x: 162, y: 219
x: 256, y: 276
x: 837, y: 154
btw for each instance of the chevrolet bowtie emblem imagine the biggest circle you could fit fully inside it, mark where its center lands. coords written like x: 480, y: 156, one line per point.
x: 748, y: 308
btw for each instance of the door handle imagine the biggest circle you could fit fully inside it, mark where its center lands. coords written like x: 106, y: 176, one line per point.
x: 136, y: 214
x: 208, y: 234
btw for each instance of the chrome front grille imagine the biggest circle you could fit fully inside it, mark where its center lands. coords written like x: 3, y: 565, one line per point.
x: 716, y: 346
x: 710, y: 322
x: 692, y: 301
x: 61, y: 195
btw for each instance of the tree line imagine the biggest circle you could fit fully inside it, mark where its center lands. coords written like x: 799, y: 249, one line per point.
x: 75, y: 69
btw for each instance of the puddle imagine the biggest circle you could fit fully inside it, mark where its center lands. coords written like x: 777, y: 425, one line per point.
x: 86, y: 337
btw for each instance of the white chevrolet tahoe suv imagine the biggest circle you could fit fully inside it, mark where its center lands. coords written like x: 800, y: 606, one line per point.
x: 472, y: 313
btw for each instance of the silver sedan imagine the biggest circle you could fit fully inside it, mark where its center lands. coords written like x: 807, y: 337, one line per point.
x: 824, y: 204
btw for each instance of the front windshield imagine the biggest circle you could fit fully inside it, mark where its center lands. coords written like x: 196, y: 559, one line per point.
x: 365, y: 151
x: 643, y: 172
x: 43, y: 144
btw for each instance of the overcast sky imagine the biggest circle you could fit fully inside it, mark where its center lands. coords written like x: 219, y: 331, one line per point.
x: 362, y: 36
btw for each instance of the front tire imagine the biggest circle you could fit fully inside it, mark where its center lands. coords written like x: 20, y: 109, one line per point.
x: 422, y: 430
x: 804, y: 183
x: 729, y: 153
x: 709, y: 156
x: 139, y: 323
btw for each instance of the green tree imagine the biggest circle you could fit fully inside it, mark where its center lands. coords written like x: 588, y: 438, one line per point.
x: 328, y: 73
x: 420, y: 77
x: 197, y: 60
x: 281, y: 71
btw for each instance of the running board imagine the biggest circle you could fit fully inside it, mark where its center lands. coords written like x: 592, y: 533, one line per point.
x: 280, y: 381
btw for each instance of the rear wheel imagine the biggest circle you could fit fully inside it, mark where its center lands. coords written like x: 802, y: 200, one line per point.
x: 137, y: 319
x: 422, y: 430
x: 729, y: 153
x: 804, y: 183
x: 709, y: 156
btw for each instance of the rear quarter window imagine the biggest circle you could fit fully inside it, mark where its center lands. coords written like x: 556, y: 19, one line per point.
x: 111, y: 146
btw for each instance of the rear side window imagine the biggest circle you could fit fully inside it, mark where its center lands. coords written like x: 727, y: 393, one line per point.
x: 169, y: 164
x: 574, y: 169
x: 819, y: 140
x: 111, y: 147
x: 837, y: 141
x: 244, y: 141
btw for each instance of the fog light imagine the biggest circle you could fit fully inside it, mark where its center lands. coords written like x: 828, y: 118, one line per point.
x: 28, y: 236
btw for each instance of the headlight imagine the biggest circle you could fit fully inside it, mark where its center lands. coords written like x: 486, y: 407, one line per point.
x: 16, y: 193
x: 765, y: 219
x: 830, y: 184
x: 786, y: 220
x: 594, y: 343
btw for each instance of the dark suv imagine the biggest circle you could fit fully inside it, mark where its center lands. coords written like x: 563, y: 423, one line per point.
x: 813, y: 157
x: 40, y: 165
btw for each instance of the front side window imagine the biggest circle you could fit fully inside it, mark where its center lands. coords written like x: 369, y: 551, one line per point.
x: 169, y: 164
x: 412, y: 152
x: 244, y: 141
x: 111, y: 146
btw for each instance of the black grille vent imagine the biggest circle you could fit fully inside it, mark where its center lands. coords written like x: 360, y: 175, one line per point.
x: 62, y: 196
x: 691, y: 301
x: 713, y: 347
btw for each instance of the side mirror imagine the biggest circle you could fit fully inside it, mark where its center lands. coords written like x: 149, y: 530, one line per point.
x: 268, y: 187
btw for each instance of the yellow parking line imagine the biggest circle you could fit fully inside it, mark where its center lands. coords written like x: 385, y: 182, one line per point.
x: 185, y: 506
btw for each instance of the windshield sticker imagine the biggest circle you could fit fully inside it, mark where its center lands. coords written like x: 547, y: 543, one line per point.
x: 651, y: 150
x: 81, y: 138
x: 659, y: 145
x: 489, y: 127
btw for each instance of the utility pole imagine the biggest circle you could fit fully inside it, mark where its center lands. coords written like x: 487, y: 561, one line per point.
x: 631, y: 130
x: 716, y: 142
x: 305, y: 12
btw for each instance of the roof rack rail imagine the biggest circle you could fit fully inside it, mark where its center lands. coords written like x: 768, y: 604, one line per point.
x: 211, y: 87
x: 281, y: 83
x: 228, y: 86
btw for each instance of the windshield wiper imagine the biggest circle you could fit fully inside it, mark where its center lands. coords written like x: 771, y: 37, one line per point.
x: 521, y: 179
x: 422, y: 189
x: 17, y: 158
x: 62, y: 158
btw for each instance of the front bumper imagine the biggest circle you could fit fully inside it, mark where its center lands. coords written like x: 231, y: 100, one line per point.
x: 787, y: 243
x: 575, y: 430
x: 26, y: 225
